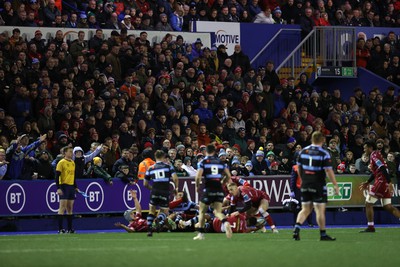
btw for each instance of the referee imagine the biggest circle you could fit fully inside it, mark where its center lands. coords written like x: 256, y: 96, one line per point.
x: 215, y: 174
x: 66, y: 188
x: 314, y: 165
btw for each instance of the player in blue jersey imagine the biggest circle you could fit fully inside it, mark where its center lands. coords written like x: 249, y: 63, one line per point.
x: 314, y: 165
x: 160, y: 174
x: 216, y: 174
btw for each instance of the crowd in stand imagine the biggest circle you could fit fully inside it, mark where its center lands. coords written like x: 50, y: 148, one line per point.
x: 177, y: 15
x: 116, y: 100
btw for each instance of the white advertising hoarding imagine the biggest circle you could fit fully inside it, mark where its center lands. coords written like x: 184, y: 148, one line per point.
x: 226, y: 33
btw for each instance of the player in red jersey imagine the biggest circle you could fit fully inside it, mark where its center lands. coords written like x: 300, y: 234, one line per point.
x: 238, y: 224
x: 382, y: 188
x: 238, y: 181
x: 254, y: 201
x: 134, y: 217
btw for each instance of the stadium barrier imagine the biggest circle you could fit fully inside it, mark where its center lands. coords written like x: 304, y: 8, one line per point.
x: 34, y: 198
x: 71, y: 34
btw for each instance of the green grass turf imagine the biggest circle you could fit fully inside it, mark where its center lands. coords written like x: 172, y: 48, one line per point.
x: 178, y: 249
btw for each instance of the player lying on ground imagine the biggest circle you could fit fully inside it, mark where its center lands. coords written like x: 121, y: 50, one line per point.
x: 181, y: 209
x: 254, y: 201
x: 239, y: 224
x: 134, y: 217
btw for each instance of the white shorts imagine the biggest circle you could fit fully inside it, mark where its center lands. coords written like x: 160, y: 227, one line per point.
x: 372, y: 199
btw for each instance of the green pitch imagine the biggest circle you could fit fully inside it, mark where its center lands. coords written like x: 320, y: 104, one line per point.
x: 178, y: 249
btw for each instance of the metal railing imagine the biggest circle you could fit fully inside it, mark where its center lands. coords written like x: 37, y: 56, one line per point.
x: 278, y: 47
x: 323, y: 46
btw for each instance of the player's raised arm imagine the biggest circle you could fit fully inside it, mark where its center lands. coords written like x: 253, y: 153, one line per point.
x: 138, y: 207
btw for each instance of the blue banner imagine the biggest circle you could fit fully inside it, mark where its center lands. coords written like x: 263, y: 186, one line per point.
x: 24, y: 198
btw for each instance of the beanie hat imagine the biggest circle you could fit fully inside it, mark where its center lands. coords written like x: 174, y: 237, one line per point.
x: 274, y: 163
x: 222, y: 153
x: 248, y: 163
x: 181, y: 146
x: 260, y: 153
x: 235, y: 161
x: 96, y: 160
x: 270, y: 153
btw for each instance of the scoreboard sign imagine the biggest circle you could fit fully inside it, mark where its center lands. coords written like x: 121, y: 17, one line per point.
x: 336, y: 72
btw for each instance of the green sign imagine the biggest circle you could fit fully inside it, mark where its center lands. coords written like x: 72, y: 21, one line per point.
x: 351, y: 195
x: 348, y: 72
x: 345, y: 191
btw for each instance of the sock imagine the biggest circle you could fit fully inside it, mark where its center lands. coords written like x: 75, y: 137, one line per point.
x: 60, y: 218
x: 270, y: 221
x: 178, y: 218
x: 69, y: 221
x: 194, y: 220
x: 150, y: 219
x: 161, y: 218
x: 371, y: 225
x: 297, y: 228
x: 322, y: 232
x: 200, y: 230
x: 267, y: 218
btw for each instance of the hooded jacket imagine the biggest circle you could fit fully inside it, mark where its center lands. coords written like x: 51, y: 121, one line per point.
x: 81, y: 162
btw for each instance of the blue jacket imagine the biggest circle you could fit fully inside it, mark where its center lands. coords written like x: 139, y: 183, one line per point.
x: 17, y: 159
x: 176, y: 22
x: 205, y: 114
x: 20, y: 105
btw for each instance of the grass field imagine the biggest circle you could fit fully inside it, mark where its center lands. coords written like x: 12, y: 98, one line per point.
x: 178, y: 249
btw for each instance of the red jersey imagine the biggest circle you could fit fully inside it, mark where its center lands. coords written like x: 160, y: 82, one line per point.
x: 247, y: 193
x: 138, y: 224
x: 238, y: 181
x: 238, y: 224
x: 376, y: 161
x: 380, y: 187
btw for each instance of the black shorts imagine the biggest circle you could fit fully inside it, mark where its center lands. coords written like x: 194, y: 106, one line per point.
x: 159, y: 198
x: 315, y: 195
x: 212, y: 195
x: 69, y: 192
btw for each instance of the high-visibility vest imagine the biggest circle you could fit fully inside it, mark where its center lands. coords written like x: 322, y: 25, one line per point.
x: 144, y: 166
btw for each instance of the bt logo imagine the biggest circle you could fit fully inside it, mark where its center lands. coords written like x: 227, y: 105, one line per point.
x: 52, y: 198
x: 96, y: 196
x: 15, y: 198
x: 127, y: 196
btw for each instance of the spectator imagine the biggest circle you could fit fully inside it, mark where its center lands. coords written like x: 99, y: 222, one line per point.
x: 44, y: 169
x: 176, y: 18
x: 123, y: 174
x: 50, y: 12
x: 96, y: 171
x: 260, y: 166
x: 264, y: 17
x: 3, y: 163
x: 16, y: 153
x: 163, y: 24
